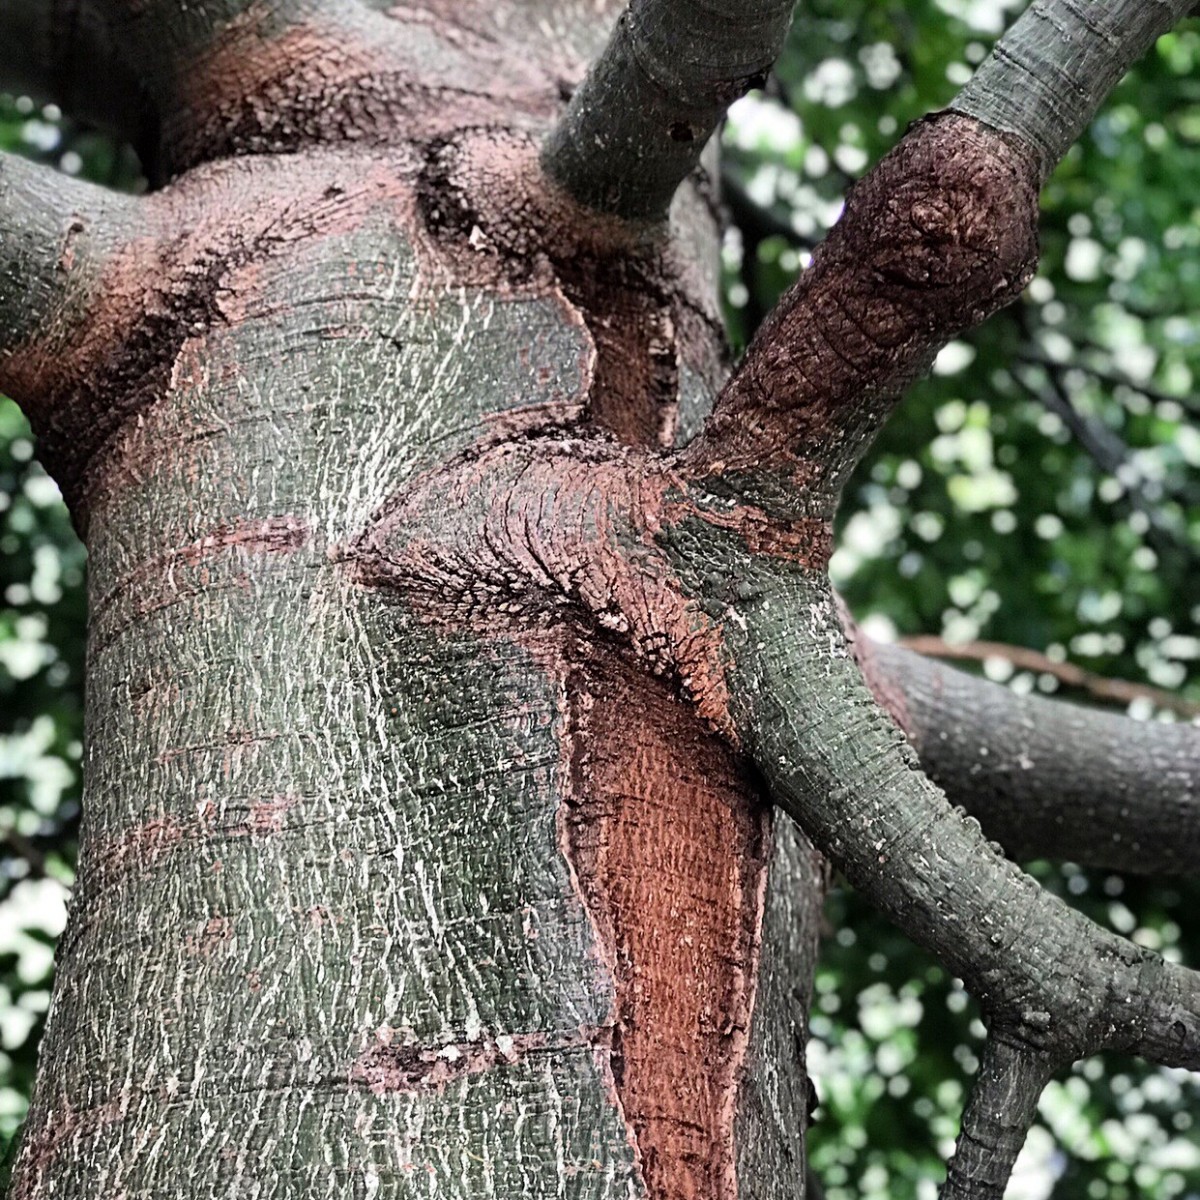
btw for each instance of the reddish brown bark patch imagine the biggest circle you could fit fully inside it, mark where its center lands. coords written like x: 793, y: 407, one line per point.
x: 942, y: 233
x: 192, y: 268
x: 670, y: 851
x: 498, y: 220
x: 260, y: 90
x: 144, y: 844
x: 267, y: 535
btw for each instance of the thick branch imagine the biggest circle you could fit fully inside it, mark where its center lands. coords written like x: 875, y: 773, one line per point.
x: 1047, y: 779
x: 939, y: 236
x: 636, y: 127
x: 999, y: 1112
x: 1052, y: 70
x: 52, y: 241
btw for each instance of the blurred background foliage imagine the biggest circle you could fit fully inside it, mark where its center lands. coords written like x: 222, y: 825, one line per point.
x: 1040, y: 490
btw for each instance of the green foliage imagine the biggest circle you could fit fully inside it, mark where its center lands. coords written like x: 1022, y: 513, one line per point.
x: 41, y: 665
x: 1039, y: 489
x: 982, y: 514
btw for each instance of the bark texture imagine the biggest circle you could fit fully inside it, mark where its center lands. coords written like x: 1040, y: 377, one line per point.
x: 438, y: 695
x: 1047, y: 779
x: 380, y: 891
x: 638, y: 124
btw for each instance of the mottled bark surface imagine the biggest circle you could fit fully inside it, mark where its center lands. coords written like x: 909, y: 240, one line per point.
x: 438, y: 692
x: 380, y: 892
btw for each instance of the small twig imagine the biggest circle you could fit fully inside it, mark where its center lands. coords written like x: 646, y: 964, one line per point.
x: 1001, y: 1108
x: 1035, y: 357
x: 1115, y: 691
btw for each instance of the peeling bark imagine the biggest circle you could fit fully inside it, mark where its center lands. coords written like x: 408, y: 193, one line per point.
x: 380, y: 892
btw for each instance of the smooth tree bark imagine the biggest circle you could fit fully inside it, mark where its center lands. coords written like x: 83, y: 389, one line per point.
x: 464, y: 683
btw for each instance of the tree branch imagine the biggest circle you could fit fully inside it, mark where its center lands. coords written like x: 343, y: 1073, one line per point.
x: 940, y: 235
x: 937, y: 237
x: 1055, y: 66
x: 1000, y: 1109
x: 635, y: 128
x: 54, y: 233
x: 1047, y: 979
x: 1046, y: 778
x: 1099, y: 687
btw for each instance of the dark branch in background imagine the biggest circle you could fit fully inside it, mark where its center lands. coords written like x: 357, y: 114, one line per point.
x: 756, y: 224
x: 1106, y: 449
x: 77, y: 64
x: 1099, y: 687
x: 1047, y: 778
x: 1035, y: 356
x: 635, y: 128
x: 755, y: 221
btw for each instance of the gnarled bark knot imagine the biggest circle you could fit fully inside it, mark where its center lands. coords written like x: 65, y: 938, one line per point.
x: 939, y: 236
x: 534, y: 530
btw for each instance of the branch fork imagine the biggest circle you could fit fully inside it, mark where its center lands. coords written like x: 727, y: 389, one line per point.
x: 708, y: 565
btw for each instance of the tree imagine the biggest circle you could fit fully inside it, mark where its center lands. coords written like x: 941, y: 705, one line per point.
x: 437, y: 704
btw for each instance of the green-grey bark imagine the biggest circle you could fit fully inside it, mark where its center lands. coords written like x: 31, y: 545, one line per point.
x: 1050, y: 72
x: 1049, y: 779
x: 636, y: 127
x: 57, y: 234
x: 375, y: 536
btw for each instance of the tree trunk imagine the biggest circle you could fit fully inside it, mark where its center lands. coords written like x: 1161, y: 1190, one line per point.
x: 373, y: 901
x: 445, y: 658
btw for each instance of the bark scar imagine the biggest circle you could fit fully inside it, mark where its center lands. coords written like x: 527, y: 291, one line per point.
x: 533, y: 533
